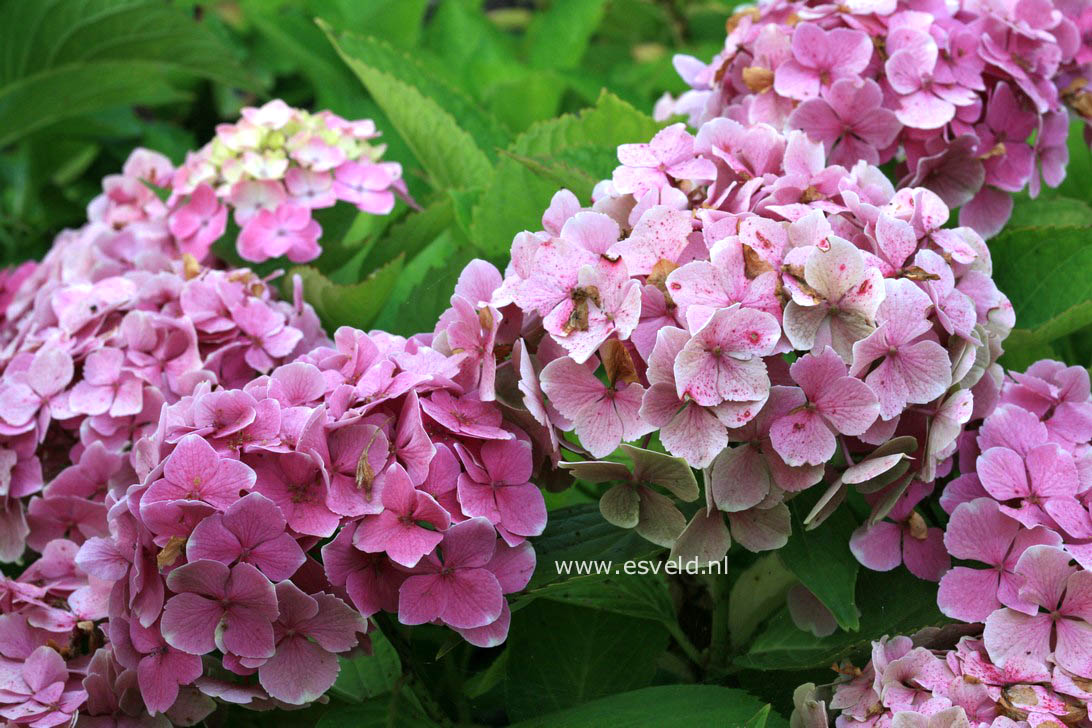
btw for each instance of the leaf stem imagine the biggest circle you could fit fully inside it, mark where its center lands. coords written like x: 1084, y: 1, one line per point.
x: 684, y: 642
x: 414, y: 679
x: 720, y: 640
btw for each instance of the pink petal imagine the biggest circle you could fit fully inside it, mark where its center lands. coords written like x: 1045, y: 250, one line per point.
x: 879, y: 547
x: 299, y: 673
x: 1014, y: 637
x: 762, y: 529
x: 189, y: 623
x: 739, y: 478
x: 803, y: 438
x: 926, y: 558
x: 969, y: 595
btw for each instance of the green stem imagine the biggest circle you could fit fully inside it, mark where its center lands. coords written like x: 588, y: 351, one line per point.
x: 684, y: 642
x: 720, y: 640
x: 411, y: 672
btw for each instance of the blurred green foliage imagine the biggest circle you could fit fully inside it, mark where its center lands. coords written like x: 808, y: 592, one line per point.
x: 82, y: 82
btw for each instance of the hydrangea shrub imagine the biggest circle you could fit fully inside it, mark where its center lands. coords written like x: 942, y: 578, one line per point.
x: 767, y: 329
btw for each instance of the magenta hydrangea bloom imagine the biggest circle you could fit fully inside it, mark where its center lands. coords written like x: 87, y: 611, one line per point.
x: 309, y: 632
x: 979, y: 531
x: 217, y: 607
x: 274, y: 167
x: 458, y: 590
x: 782, y: 273
x: 40, y: 691
x: 1060, y: 621
x: 969, y: 98
x: 251, y: 530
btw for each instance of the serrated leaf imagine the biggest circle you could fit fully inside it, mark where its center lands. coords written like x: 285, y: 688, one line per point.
x: 894, y: 602
x: 424, y: 289
x: 644, y: 596
x: 821, y: 559
x: 66, y: 58
x: 1047, y: 274
x: 411, y: 235
x: 427, y: 80
x: 663, y: 706
x: 448, y: 152
x: 516, y: 196
x: 354, y: 305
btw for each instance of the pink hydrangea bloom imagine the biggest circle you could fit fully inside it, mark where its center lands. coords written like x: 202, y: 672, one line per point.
x: 1060, y: 621
x: 217, y: 607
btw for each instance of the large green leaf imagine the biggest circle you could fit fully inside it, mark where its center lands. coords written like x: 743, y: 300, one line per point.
x: 756, y: 594
x: 665, y: 706
x: 396, y: 21
x: 558, y: 37
x: 560, y: 656
x: 1047, y: 273
x: 66, y: 58
x: 821, y: 559
x: 894, y: 602
x: 356, y: 304
x: 411, y: 235
x: 1054, y: 211
x: 424, y: 288
x: 578, y: 534
x: 368, y: 676
x: 432, y: 115
x: 397, y: 711
x: 517, y: 195
x: 644, y: 596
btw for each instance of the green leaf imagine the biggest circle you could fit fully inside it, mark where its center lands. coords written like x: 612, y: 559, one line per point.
x: 558, y: 37
x: 295, y: 37
x: 756, y: 594
x: 411, y: 235
x: 1054, y: 211
x: 397, y: 21
x: 371, y: 675
x: 644, y: 596
x: 425, y: 108
x: 471, y: 48
x: 579, y: 533
x: 759, y: 719
x: 67, y: 58
x: 517, y: 196
x: 446, y: 151
x: 894, y: 602
x: 356, y: 304
x: 821, y: 559
x: 663, y: 706
x: 1047, y: 274
x: 562, y: 655
x: 424, y: 289
x: 394, y: 712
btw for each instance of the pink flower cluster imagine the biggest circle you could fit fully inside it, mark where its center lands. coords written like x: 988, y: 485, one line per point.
x: 111, y: 325
x: 273, y: 168
x: 769, y: 316
x: 910, y: 686
x: 181, y: 447
x: 1020, y: 520
x: 415, y: 493
x: 966, y: 96
x: 1020, y: 512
